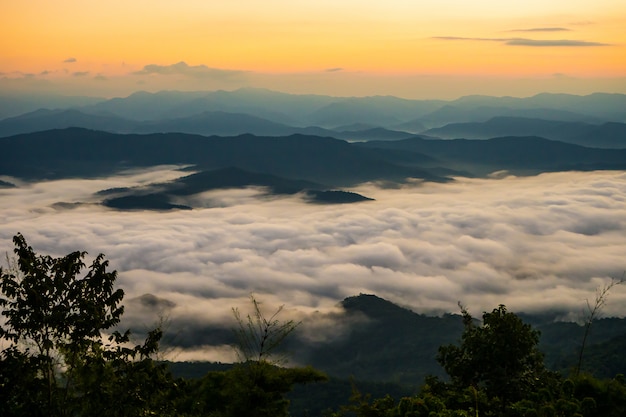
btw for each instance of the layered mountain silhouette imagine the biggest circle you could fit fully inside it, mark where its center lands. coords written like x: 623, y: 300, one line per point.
x: 87, y: 153
x: 81, y: 152
x: 262, y: 138
x: 333, y: 113
x: 206, y: 123
x: 607, y: 135
x: 518, y: 155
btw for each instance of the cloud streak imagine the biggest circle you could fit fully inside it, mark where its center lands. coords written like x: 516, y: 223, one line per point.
x: 559, y: 42
x: 528, y: 42
x: 195, y: 71
x: 548, y: 29
x: 535, y: 244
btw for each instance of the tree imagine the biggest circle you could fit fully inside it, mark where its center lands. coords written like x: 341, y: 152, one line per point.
x: 259, y: 338
x: 54, y: 328
x: 592, y: 314
x: 499, y: 356
x: 256, y: 386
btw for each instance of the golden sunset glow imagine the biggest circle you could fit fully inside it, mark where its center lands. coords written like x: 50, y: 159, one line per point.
x: 114, y: 41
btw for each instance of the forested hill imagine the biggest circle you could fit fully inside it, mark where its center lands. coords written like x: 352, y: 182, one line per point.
x: 397, y: 345
x: 78, y: 152
x: 385, y: 342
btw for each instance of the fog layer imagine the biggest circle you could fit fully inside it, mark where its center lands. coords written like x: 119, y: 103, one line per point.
x: 542, y: 243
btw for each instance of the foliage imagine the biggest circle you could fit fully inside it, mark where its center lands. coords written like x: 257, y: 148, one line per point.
x: 592, y: 315
x: 501, y: 357
x: 63, y: 357
x: 256, y: 386
x: 58, y: 360
x: 486, y: 380
x: 258, y: 337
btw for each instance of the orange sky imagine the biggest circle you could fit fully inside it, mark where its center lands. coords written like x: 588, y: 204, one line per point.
x: 392, y: 47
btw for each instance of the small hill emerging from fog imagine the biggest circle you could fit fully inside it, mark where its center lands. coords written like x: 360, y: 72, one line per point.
x: 166, y: 196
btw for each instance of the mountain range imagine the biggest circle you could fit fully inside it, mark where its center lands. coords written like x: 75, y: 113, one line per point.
x: 75, y: 152
x: 206, y: 123
x: 311, y: 145
x: 330, y: 112
x: 605, y: 135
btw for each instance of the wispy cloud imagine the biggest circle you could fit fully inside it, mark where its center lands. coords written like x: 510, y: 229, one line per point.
x: 527, y: 42
x: 559, y: 42
x: 461, y: 38
x: 552, y: 29
x: 80, y: 73
x: 70, y: 60
x: 181, y: 68
x: 334, y: 69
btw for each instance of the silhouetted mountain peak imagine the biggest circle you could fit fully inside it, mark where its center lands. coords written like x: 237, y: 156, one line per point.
x: 374, y: 307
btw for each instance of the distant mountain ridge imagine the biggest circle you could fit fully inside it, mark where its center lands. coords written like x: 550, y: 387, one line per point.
x: 81, y: 152
x: 518, y: 155
x: 207, y: 123
x: 606, y: 135
x: 300, y: 111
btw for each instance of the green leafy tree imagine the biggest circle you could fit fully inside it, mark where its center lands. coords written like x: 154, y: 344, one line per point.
x: 500, y: 356
x: 57, y: 361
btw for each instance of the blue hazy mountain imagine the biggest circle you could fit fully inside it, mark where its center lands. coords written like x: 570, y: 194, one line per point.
x: 45, y: 119
x: 15, y: 104
x: 606, y: 135
x: 301, y: 111
x: 519, y: 155
x: 206, y: 123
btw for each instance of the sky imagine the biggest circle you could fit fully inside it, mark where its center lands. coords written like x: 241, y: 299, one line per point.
x: 536, y: 244
x: 426, y: 49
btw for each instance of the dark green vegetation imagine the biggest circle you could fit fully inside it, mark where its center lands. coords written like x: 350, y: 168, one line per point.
x: 63, y: 357
x: 497, y: 370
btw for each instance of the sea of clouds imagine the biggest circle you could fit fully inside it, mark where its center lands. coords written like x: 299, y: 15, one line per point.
x: 540, y: 243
